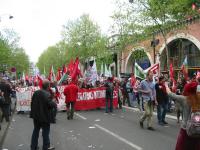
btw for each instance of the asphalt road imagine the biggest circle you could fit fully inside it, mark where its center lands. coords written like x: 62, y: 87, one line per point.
x: 95, y: 130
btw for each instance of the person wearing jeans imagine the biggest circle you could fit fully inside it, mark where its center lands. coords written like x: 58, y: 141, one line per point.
x: 41, y: 106
x: 161, y: 113
x: 162, y: 98
x: 45, y: 133
x: 147, y: 89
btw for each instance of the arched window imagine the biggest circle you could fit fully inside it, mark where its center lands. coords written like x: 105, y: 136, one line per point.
x: 178, y: 50
x: 139, y: 56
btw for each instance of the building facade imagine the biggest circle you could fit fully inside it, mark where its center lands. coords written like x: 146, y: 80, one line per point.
x: 180, y: 41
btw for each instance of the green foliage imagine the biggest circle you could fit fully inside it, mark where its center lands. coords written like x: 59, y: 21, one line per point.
x: 84, y: 39
x: 81, y: 38
x: 10, y: 53
x: 20, y: 60
x: 137, y: 20
x: 126, y: 25
x: 138, y: 54
x: 54, y: 55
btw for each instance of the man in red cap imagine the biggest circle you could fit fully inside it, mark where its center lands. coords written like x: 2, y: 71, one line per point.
x: 70, y: 92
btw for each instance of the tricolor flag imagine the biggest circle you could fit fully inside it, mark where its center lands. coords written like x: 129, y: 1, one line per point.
x: 52, y: 76
x: 64, y: 77
x: 138, y: 71
x: 184, y: 68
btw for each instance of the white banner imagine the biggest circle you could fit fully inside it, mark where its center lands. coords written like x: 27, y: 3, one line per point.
x: 24, y: 100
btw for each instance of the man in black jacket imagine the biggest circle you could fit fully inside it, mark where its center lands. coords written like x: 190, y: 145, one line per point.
x: 41, y: 107
x: 6, y: 89
x: 162, y: 99
x: 109, y: 94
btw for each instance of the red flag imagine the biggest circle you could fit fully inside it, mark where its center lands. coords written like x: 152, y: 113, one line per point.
x: 27, y: 77
x: 155, y: 69
x: 174, y: 86
x: 58, y: 75
x: 171, y: 75
x: 70, y: 67
x: 171, y: 72
x: 75, y: 70
x: 133, y: 80
x: 40, y: 81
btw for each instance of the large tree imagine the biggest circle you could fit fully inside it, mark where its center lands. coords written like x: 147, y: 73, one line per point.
x: 20, y: 60
x: 84, y: 39
x: 11, y: 55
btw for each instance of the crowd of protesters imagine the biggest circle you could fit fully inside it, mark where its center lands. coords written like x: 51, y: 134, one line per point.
x: 147, y: 95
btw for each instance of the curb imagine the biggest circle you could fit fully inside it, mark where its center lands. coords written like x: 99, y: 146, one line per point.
x: 5, y: 126
x: 154, y: 113
x: 4, y: 130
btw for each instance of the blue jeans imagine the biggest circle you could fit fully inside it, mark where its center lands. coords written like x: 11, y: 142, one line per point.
x: 161, y: 112
x: 45, y: 134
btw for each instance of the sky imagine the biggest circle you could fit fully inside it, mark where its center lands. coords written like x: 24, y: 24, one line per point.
x: 39, y: 22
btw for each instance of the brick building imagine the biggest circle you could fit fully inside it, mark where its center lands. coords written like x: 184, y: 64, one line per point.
x: 182, y: 39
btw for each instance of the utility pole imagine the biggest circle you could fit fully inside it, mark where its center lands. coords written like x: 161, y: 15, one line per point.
x: 154, y: 43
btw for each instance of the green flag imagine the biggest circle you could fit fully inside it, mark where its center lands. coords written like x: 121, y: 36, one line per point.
x: 64, y: 77
x: 138, y: 71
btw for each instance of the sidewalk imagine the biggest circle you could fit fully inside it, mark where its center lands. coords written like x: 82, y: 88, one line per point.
x: 3, y: 131
x: 5, y: 125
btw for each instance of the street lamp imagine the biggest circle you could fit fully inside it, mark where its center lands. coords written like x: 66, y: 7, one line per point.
x: 6, y: 15
x: 154, y: 43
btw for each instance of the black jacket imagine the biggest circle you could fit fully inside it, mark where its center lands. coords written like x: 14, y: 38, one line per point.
x: 41, y: 106
x: 161, y: 96
x: 7, y: 92
x: 109, y: 89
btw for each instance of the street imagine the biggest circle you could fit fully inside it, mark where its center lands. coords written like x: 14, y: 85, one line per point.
x: 95, y: 130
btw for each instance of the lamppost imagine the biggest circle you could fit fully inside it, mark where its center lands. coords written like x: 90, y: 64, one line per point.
x: 4, y: 67
x: 6, y: 15
x: 154, y: 43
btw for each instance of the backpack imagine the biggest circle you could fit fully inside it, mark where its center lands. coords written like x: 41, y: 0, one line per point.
x: 193, y: 125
